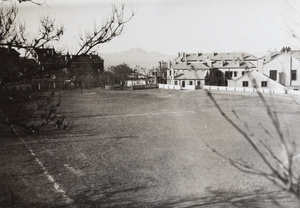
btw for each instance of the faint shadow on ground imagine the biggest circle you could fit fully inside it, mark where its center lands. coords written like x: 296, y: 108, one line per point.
x: 221, y: 198
x: 214, y: 198
x: 109, y: 196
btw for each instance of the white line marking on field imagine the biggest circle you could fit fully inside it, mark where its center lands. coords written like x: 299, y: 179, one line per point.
x: 73, y: 170
x: 160, y: 113
x: 58, y: 189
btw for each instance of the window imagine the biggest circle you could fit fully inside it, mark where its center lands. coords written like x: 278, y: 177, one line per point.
x: 191, y: 82
x: 228, y: 74
x: 273, y: 74
x: 264, y: 83
x: 245, y: 83
x: 170, y: 73
x: 294, y: 74
x: 198, y: 82
x: 176, y: 83
x: 243, y: 73
x: 235, y: 74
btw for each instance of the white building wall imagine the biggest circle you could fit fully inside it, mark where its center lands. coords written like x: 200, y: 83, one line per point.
x: 259, y: 78
x: 282, y: 64
x: 296, y: 66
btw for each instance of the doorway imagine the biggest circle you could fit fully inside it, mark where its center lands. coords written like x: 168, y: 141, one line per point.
x: 183, y: 83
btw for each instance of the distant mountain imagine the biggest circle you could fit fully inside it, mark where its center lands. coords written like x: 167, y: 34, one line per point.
x: 135, y: 57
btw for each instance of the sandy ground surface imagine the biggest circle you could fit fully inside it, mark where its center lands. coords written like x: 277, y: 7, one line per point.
x: 146, y: 149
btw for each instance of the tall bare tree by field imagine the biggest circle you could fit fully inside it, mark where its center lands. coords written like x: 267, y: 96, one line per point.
x: 18, y: 108
x: 281, y: 166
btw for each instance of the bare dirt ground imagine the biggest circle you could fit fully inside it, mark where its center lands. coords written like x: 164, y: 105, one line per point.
x: 145, y: 149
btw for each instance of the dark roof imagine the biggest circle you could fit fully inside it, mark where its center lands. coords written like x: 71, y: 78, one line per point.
x: 189, y: 66
x: 47, y: 55
x: 216, y: 56
x: 214, y: 64
x: 233, y: 64
x: 45, y: 51
x: 28, y: 61
x: 8, y: 51
x: 191, y: 74
x: 82, y: 58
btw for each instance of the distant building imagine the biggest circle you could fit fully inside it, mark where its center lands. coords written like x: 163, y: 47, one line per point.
x: 198, y: 69
x: 137, y: 78
x: 48, y: 60
x: 83, y: 68
x: 12, y: 67
x: 283, y: 67
x: 9, y: 59
x: 255, y: 79
x: 188, y: 75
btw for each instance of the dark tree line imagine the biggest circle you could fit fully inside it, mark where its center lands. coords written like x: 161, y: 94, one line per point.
x: 20, y: 108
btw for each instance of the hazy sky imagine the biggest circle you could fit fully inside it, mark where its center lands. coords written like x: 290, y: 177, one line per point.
x: 170, y: 26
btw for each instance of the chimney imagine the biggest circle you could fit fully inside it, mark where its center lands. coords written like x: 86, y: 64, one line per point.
x: 236, y: 61
x: 169, y: 64
x: 215, y: 53
x: 260, y: 65
x: 285, y: 49
x: 209, y: 63
x: 222, y: 62
x: 199, y: 53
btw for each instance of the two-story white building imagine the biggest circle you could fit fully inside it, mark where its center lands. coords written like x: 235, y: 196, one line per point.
x: 200, y: 69
x: 283, y: 67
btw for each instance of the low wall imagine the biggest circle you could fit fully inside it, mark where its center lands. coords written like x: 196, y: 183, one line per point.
x: 223, y: 88
x: 189, y: 87
x: 18, y: 87
x: 141, y: 87
x: 178, y: 87
x: 167, y: 86
x: 248, y: 89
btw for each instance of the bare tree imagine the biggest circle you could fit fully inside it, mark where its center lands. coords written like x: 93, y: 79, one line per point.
x: 282, y: 170
x: 111, y: 28
x: 19, y: 108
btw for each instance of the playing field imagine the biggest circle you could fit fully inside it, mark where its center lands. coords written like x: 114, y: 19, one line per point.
x: 146, y: 149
